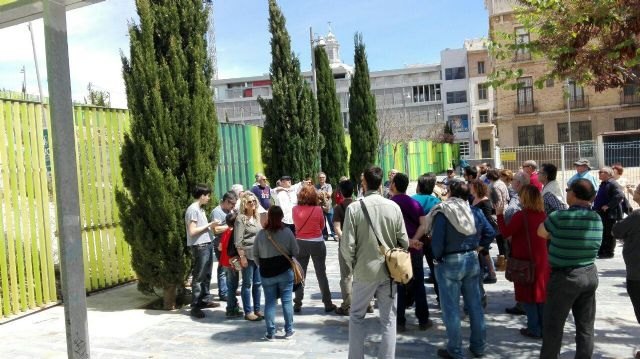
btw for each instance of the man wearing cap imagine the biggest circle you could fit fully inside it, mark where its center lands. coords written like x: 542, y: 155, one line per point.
x: 607, y: 204
x: 530, y: 167
x: 582, y: 169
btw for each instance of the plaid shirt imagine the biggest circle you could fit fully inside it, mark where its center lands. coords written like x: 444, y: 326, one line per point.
x: 513, y: 207
x: 552, y: 203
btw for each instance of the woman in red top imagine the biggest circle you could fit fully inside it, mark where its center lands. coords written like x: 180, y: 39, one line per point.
x: 530, y: 217
x: 308, y: 218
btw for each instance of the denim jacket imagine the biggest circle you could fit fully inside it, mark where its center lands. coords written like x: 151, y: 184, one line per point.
x: 446, y: 240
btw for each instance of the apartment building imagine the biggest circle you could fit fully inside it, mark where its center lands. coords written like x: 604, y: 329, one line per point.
x: 481, y: 98
x: 561, y: 111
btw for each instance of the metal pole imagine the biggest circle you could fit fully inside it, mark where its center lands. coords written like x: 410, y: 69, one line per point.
x: 569, y: 110
x: 35, y: 62
x: 562, y: 165
x: 66, y: 179
x: 314, y: 87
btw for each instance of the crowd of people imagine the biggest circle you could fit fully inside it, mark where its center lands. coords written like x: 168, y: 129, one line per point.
x: 559, y: 231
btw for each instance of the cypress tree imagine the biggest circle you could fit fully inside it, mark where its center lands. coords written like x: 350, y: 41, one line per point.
x: 173, y: 141
x: 290, y: 136
x: 334, y: 151
x: 362, y: 112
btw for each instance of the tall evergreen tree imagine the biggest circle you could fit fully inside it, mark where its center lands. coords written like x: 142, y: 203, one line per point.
x: 173, y: 141
x: 334, y: 151
x: 362, y: 112
x: 290, y: 138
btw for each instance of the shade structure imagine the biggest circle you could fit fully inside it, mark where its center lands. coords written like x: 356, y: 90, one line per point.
x: 15, y: 12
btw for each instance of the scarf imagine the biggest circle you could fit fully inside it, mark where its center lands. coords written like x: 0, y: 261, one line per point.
x: 553, y: 187
x: 458, y: 213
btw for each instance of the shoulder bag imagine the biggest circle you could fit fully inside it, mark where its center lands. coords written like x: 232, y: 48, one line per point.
x: 298, y: 272
x: 520, y: 271
x: 398, y: 259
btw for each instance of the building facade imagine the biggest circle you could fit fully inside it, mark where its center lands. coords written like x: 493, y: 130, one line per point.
x: 560, y: 111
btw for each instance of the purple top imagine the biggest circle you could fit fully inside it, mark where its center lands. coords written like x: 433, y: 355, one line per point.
x: 411, y: 213
x: 263, y: 194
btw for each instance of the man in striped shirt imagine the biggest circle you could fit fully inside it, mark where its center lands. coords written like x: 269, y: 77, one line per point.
x: 575, y: 235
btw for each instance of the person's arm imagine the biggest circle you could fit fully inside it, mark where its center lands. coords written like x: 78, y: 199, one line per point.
x: 194, y: 230
x: 545, y: 228
x: 507, y: 230
x: 420, y: 232
x: 337, y: 227
x: 438, y: 235
x: 402, y: 238
x: 260, y: 236
x: 622, y: 228
x: 347, y: 244
x: 238, y: 236
x: 615, y: 196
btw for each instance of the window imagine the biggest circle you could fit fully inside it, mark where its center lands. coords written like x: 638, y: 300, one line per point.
x: 426, y: 93
x: 483, y: 116
x: 531, y: 135
x: 630, y: 94
x: 456, y: 97
x: 454, y: 73
x: 522, y: 38
x: 482, y: 91
x: 626, y: 123
x: 464, y: 148
x: 576, y: 95
x: 459, y: 123
x: 549, y: 83
x: 525, y: 95
x: 485, y: 147
x: 580, y: 131
x: 480, y: 67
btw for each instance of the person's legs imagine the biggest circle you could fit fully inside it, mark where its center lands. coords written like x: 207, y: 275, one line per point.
x: 419, y: 293
x: 428, y: 253
x: 633, y: 289
x: 361, y: 295
x: 533, y: 318
x: 285, y: 287
x: 270, y: 286
x: 303, y: 259
x: 473, y: 302
x: 329, y: 217
x: 256, y: 288
x: 401, y: 305
x: 245, y: 291
x: 584, y: 310
x: 500, y: 241
x: 386, y: 294
x: 449, y: 274
x: 561, y: 293
x: 221, y: 274
x: 232, y: 286
x: 318, y: 252
x: 345, y: 284
x: 201, y: 257
x: 608, y: 244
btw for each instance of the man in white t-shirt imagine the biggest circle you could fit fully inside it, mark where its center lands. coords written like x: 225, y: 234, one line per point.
x: 287, y: 198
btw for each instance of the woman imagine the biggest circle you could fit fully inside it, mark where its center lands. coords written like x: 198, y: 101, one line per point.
x: 506, y: 176
x: 530, y: 217
x: 627, y: 187
x: 629, y: 230
x: 499, y: 193
x: 275, y: 270
x: 245, y: 230
x: 479, y: 191
x: 308, y: 219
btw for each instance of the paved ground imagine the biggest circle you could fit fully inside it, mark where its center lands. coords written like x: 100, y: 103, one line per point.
x: 119, y: 330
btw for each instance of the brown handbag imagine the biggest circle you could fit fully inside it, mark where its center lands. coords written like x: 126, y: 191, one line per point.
x: 521, y: 271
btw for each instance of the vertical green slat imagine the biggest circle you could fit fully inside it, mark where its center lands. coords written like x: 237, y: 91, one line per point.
x: 35, y: 293
x: 103, y: 199
x: 15, y: 147
x: 92, y: 218
x: 115, y: 137
x: 4, y: 241
x: 81, y: 153
x: 110, y: 192
x: 127, y: 250
x: 42, y: 200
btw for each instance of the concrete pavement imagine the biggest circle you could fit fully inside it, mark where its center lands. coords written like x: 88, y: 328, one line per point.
x: 118, y: 329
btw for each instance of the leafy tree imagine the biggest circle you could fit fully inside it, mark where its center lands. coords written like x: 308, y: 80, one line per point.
x: 173, y: 140
x: 97, y: 97
x: 593, y: 42
x: 290, y: 140
x: 362, y: 112
x: 334, y: 151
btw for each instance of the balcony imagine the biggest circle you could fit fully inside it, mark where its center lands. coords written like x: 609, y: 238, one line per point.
x: 578, y: 102
x: 630, y: 95
x: 525, y: 107
x: 522, y: 56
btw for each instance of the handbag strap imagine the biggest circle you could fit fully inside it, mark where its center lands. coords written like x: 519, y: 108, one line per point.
x: 307, y: 220
x: 278, y: 248
x: 366, y: 215
x: 526, y: 229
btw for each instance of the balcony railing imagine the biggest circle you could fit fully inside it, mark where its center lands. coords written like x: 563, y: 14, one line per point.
x: 522, y: 56
x: 525, y: 107
x: 630, y: 95
x: 579, y: 102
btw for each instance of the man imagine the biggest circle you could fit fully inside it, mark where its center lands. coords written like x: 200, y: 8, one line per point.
x: 324, y: 192
x: 608, y: 205
x: 530, y: 167
x: 470, y: 173
x: 199, y: 241
x: 219, y: 215
x: 427, y: 199
x: 582, y: 171
x: 346, y: 189
x: 415, y: 222
x: 574, y: 238
x: 484, y: 167
x: 287, y: 198
x: 262, y: 191
x: 361, y: 253
x: 552, y: 194
x: 520, y: 180
x: 387, y: 184
x: 451, y: 175
x: 454, y: 242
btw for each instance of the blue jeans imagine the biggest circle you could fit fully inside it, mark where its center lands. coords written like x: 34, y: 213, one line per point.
x: 222, y: 277
x: 455, y: 273
x: 250, y: 287
x: 281, y: 284
x: 534, y: 317
x: 328, y: 216
x: 233, y: 278
x: 419, y: 293
x: 201, y: 275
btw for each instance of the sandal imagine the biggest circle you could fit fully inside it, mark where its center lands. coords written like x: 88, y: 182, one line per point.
x: 525, y: 332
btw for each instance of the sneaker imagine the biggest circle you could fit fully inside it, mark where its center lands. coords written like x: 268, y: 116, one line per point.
x: 342, y: 311
x: 251, y: 317
x: 490, y: 280
x: 234, y: 313
x: 515, y: 310
x: 427, y: 325
x: 197, y: 313
x: 328, y: 308
x: 268, y: 337
x: 290, y: 334
x: 370, y: 309
x: 297, y: 308
x: 259, y: 314
x: 525, y: 332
